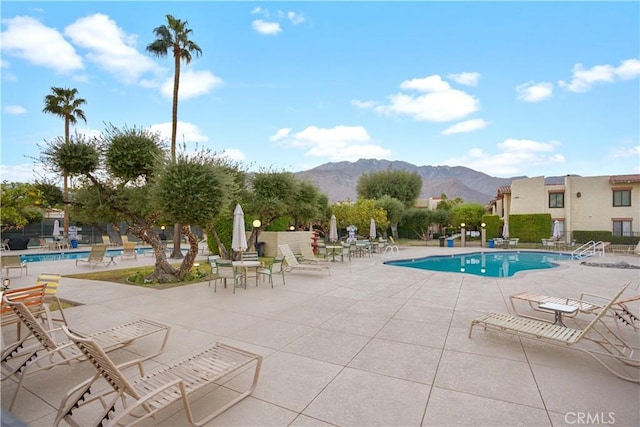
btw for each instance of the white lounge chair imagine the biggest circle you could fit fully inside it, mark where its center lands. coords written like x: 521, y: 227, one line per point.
x: 143, y: 398
x: 307, y: 254
x: 610, y: 347
x: 292, y: 263
x: 40, y: 351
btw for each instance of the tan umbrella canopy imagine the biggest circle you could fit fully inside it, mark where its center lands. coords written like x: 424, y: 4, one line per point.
x: 333, y: 229
x: 239, y: 237
x: 372, y: 229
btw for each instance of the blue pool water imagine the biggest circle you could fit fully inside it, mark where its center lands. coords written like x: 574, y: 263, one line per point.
x: 492, y: 264
x: 56, y: 256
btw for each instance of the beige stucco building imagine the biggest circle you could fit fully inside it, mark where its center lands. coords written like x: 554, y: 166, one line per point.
x: 577, y: 203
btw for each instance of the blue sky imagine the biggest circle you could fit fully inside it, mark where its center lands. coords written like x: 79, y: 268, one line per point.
x: 505, y: 88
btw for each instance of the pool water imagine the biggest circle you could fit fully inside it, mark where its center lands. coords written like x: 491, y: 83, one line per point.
x: 492, y: 264
x: 57, y: 256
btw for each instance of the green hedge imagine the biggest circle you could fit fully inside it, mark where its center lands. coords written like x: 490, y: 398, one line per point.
x: 493, y: 226
x: 530, y: 228
x: 583, y: 236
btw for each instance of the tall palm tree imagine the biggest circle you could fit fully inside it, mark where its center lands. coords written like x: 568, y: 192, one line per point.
x: 174, y: 37
x: 62, y: 102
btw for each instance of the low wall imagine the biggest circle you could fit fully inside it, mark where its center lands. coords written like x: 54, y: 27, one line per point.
x: 292, y: 238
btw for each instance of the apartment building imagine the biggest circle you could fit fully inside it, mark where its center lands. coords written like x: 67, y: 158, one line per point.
x: 576, y: 202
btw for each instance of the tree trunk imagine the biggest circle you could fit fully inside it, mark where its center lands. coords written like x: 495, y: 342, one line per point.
x: 177, y: 252
x: 163, y: 271
x: 65, y: 220
x: 190, y: 258
x: 222, y: 250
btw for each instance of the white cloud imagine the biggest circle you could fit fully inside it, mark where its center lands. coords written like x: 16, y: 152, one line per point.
x: 336, y: 144
x: 25, y: 172
x: 282, y: 133
x: 266, y: 28
x: 583, y: 79
x: 192, y: 84
x: 428, y: 84
x: 534, y: 92
x: 185, y: 132
x: 14, y: 109
x: 441, y: 103
x: 295, y: 18
x: 29, y: 39
x: 624, y: 152
x: 515, y: 157
x: 466, y: 126
x: 467, y: 79
x: 110, y: 47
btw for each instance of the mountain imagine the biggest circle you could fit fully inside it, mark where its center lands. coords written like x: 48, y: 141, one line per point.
x: 339, y: 180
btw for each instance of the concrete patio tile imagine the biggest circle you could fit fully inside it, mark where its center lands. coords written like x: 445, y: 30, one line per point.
x: 565, y: 393
x: 353, y: 323
x: 249, y: 413
x: 377, y: 307
x: 331, y: 303
x: 412, y: 332
x: 453, y: 408
x: 362, y: 398
x: 496, y: 345
x: 399, y: 360
x: 329, y: 346
x: 305, y: 315
x: 476, y: 374
x: 290, y: 381
x: 271, y: 333
x: 212, y: 320
x: 305, y: 421
x: 428, y: 314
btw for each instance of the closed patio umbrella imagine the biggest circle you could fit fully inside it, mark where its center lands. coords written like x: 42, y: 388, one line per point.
x: 556, y: 230
x: 505, y: 230
x: 56, y: 228
x: 372, y: 229
x: 333, y: 229
x: 239, y: 237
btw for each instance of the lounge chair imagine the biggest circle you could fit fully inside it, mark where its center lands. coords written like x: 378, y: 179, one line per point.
x: 610, y: 347
x: 33, y: 297
x: 621, y: 311
x: 143, y: 398
x: 129, y: 251
x: 629, y: 250
x: 534, y: 300
x: 293, y: 264
x: 48, y: 243
x: 96, y: 256
x: 52, y: 282
x: 5, y: 245
x: 307, y: 254
x: 10, y: 262
x: 45, y: 353
x: 106, y: 240
x: 274, y: 268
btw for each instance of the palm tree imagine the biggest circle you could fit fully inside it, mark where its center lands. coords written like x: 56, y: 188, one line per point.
x: 174, y: 37
x: 62, y: 102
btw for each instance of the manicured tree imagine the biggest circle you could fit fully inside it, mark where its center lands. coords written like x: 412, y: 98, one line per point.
x: 468, y: 213
x: 62, y: 102
x: 174, y: 37
x: 394, y: 209
x: 402, y: 185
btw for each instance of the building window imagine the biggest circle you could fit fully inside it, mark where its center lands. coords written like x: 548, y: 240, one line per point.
x: 556, y: 200
x: 621, y: 198
x: 622, y: 227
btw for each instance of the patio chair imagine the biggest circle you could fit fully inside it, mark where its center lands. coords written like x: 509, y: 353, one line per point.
x: 293, y: 264
x: 126, y: 401
x: 621, y: 311
x: 96, y: 256
x: 45, y: 352
x: 48, y: 243
x: 275, y: 267
x: 307, y: 254
x: 5, y: 245
x: 52, y: 282
x: 11, y: 262
x: 33, y: 297
x: 224, y: 271
x: 129, y: 251
x: 106, y: 240
x: 610, y: 347
x: 534, y: 300
x: 345, y: 252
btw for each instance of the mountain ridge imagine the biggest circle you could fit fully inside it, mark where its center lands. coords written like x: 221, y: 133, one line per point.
x: 339, y: 180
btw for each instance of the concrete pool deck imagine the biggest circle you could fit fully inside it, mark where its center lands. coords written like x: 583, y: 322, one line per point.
x: 370, y: 344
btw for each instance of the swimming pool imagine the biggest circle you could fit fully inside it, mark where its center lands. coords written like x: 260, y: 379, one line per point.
x: 489, y: 264
x: 57, y: 256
